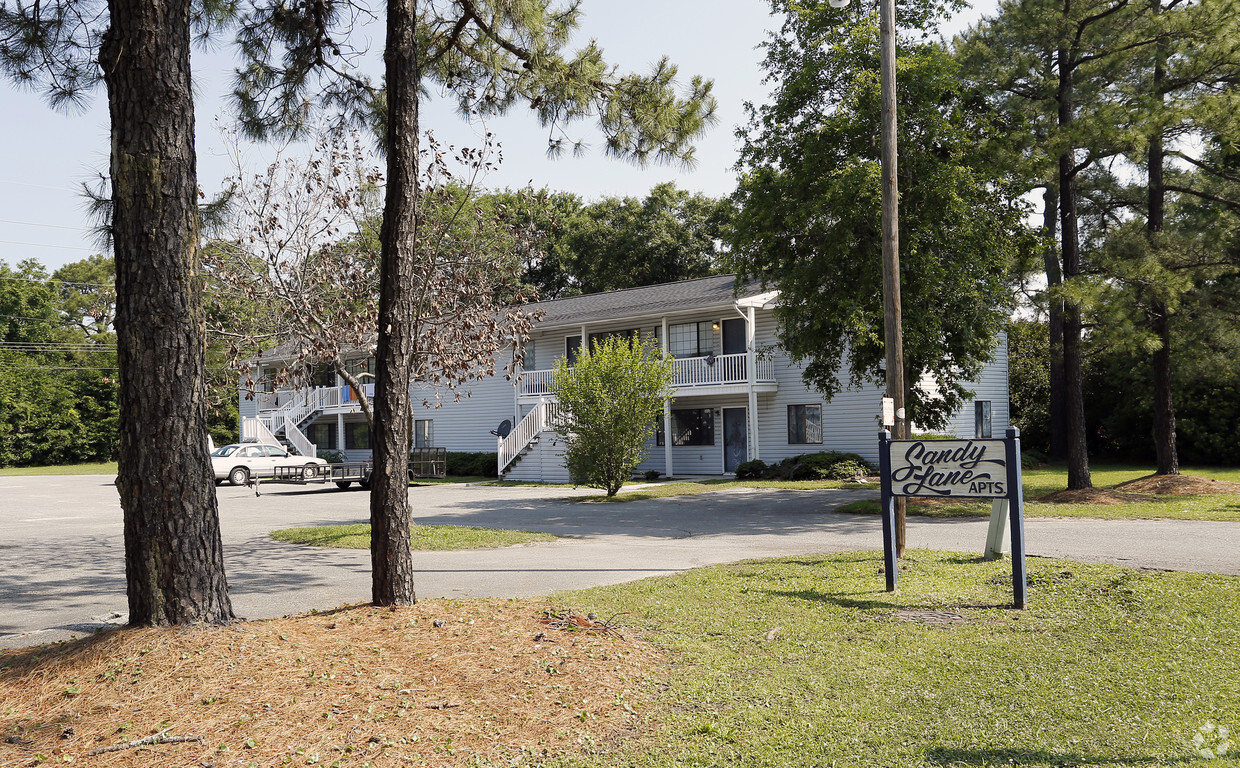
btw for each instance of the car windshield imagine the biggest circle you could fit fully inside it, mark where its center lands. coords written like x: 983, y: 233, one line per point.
x: 225, y: 450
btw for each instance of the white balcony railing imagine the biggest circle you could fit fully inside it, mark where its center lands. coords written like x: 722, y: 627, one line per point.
x: 709, y: 371
x: 303, y: 402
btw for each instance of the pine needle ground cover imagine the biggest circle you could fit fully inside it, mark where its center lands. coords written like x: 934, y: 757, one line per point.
x: 794, y: 662
x: 439, y: 683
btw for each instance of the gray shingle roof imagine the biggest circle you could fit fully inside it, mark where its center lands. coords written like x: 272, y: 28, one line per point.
x: 650, y: 300
x: 704, y: 292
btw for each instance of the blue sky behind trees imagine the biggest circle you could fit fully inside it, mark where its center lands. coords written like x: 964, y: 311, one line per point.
x: 48, y: 154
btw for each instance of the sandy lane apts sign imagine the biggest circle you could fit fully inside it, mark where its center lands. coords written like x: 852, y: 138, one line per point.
x: 970, y: 468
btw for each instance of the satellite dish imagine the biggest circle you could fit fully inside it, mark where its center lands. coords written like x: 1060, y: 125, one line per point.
x: 503, y: 430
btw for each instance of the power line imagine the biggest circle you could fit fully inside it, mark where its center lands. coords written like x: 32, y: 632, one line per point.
x: 49, y: 226
x: 45, y: 245
x: 55, y: 368
x: 51, y: 280
x: 37, y: 186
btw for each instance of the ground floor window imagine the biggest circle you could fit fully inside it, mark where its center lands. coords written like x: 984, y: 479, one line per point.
x: 323, y: 435
x: 423, y: 433
x: 804, y: 424
x: 981, y: 418
x: 357, y: 436
x: 693, y: 426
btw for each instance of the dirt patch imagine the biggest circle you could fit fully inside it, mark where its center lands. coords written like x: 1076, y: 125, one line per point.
x: 925, y: 616
x: 1100, y: 496
x: 1188, y: 485
x: 442, y: 682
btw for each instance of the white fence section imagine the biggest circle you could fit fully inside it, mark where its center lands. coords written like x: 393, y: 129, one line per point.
x: 523, y: 434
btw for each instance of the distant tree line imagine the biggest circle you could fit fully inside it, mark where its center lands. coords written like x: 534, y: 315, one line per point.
x: 58, y: 382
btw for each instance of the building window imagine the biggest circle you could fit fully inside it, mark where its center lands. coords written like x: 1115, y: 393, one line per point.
x: 693, y: 426
x: 423, y: 433
x: 323, y: 435
x: 357, y: 436
x: 359, y: 368
x: 691, y: 339
x: 981, y: 418
x: 572, y: 347
x: 804, y: 424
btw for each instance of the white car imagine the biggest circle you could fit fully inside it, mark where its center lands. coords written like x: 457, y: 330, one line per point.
x: 239, y: 462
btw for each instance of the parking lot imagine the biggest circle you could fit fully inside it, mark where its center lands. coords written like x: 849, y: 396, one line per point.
x: 62, y: 555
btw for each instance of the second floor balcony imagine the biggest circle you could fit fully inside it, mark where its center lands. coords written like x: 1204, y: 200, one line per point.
x: 695, y: 376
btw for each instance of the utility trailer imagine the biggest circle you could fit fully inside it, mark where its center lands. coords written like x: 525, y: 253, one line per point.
x: 342, y: 474
x: 423, y: 462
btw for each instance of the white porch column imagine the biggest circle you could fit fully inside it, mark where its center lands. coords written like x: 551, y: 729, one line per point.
x: 667, y: 411
x: 751, y: 371
x: 340, y: 431
x: 516, y: 394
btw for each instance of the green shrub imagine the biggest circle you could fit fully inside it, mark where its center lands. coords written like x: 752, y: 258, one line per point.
x: 477, y: 464
x: 652, y: 475
x: 827, y: 465
x: 332, y: 457
x: 1032, y: 457
x: 752, y: 470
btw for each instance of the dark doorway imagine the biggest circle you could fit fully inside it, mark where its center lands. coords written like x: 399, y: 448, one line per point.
x: 733, y: 336
x: 735, y: 438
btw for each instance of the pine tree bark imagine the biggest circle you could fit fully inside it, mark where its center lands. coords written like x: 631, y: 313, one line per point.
x: 390, y: 553
x: 174, y: 561
x: 1054, y: 278
x: 1164, y: 406
x: 1069, y: 243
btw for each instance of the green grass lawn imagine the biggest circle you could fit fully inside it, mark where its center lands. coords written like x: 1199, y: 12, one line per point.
x: 1108, y: 667
x: 1037, y: 483
x: 1044, y: 480
x: 423, y: 537
x: 104, y: 468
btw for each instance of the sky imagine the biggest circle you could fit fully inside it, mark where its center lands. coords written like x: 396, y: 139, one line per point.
x: 48, y: 155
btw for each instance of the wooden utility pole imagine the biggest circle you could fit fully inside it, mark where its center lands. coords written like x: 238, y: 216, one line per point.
x: 894, y: 340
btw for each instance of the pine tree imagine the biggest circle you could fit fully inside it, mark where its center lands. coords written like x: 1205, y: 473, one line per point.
x: 490, y: 55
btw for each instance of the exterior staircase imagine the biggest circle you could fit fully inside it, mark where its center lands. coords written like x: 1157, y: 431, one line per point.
x: 283, y: 425
x: 533, y: 437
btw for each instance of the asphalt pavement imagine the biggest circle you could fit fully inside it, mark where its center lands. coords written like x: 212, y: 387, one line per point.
x: 62, y: 555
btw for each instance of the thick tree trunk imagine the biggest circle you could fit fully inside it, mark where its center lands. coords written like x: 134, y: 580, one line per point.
x: 1074, y: 399
x: 1054, y: 278
x: 173, y: 555
x: 1164, y: 406
x: 390, y: 554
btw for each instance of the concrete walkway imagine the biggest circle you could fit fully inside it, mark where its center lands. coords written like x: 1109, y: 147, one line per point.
x: 62, y: 562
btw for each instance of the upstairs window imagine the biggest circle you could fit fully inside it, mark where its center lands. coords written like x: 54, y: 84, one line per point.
x: 691, y: 339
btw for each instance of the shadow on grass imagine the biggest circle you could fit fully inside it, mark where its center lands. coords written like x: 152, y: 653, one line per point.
x: 1017, y: 756
x: 816, y: 596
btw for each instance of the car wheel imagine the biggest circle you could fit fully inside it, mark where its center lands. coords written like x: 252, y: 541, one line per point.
x: 310, y: 471
x: 239, y: 476
x: 343, y: 483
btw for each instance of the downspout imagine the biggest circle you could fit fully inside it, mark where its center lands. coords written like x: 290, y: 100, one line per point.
x: 667, y: 412
x: 751, y: 370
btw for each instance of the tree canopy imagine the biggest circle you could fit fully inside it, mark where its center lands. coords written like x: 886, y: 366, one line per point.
x: 809, y: 210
